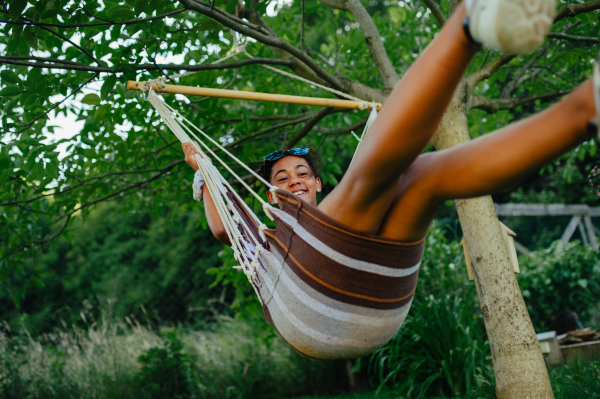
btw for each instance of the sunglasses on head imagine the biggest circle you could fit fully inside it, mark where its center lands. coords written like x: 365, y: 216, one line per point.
x: 275, y: 155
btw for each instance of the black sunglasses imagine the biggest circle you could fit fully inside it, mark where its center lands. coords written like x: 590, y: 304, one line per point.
x: 275, y: 155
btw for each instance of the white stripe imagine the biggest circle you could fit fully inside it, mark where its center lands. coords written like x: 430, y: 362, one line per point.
x: 309, y: 331
x: 333, y: 313
x: 339, y: 257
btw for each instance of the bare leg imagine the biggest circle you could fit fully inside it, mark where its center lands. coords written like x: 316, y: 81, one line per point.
x: 403, y: 128
x: 487, y: 164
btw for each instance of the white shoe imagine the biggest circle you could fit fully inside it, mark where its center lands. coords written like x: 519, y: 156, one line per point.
x: 512, y: 26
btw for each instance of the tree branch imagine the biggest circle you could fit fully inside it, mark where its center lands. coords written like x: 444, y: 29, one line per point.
x: 269, y: 38
x: 488, y: 70
x: 493, y: 105
x: 307, y: 127
x: 373, y: 39
x: 80, y: 184
x: 270, y: 129
x: 344, y: 130
x: 436, y: 10
x: 130, y: 22
x: 71, y: 66
x: 337, y: 4
x: 571, y: 10
x: 66, y: 39
x: 573, y: 37
x: 516, y: 81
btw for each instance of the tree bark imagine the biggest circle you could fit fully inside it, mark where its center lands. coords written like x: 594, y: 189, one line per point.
x: 519, y: 365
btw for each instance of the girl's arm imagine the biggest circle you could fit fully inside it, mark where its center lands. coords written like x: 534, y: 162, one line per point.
x: 212, y: 216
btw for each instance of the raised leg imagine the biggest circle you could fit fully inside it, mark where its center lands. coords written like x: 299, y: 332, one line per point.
x: 488, y: 164
x: 404, y: 126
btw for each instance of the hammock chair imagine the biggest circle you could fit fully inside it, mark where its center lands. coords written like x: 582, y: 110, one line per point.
x: 331, y: 292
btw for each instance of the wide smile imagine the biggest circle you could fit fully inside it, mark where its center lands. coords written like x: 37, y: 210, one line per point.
x: 300, y: 193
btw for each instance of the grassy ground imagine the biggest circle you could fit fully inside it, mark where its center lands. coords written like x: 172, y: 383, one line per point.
x: 232, y: 361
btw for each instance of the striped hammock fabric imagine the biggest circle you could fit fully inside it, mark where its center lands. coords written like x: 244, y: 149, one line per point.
x: 330, y: 292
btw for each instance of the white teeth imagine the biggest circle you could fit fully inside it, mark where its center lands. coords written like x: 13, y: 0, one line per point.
x: 300, y: 192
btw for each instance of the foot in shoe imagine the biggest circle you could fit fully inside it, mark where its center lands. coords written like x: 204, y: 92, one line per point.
x: 513, y: 26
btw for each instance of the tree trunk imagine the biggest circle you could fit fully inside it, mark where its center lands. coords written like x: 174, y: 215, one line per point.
x: 517, y: 358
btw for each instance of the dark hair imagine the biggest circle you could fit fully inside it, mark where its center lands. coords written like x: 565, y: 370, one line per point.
x: 312, y: 158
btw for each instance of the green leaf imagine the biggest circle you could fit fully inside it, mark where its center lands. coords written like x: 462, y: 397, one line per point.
x: 122, y: 13
x: 209, y: 24
x: 10, y: 91
x: 30, y: 37
x: 101, y: 112
x: 231, y: 4
x: 52, y: 170
x: 19, y: 295
x: 28, y: 99
x: 4, y: 176
x: 261, y: 8
x: 50, y: 13
x: 39, y: 170
x: 87, y: 141
x: 33, y: 76
x: 91, y: 99
x: 15, y: 9
x: 10, y: 76
x: 40, y: 6
x: 141, y: 6
x: 91, y: 32
x: 108, y: 86
x: 37, y: 282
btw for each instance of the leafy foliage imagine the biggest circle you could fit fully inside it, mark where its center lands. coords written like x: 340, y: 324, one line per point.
x: 51, y: 49
x: 126, y: 263
x: 442, y: 347
x: 166, y: 372
x: 568, y: 271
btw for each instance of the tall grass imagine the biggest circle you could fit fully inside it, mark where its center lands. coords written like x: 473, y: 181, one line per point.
x: 441, y: 350
x: 115, y: 361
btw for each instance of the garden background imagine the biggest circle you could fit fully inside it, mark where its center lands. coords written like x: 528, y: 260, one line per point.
x: 113, y: 287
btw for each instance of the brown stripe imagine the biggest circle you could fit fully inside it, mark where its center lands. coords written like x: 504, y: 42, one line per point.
x: 334, y: 273
x: 320, y: 217
x: 340, y: 280
x: 381, y: 251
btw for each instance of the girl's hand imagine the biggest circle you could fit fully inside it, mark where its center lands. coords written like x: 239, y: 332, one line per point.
x: 190, y: 150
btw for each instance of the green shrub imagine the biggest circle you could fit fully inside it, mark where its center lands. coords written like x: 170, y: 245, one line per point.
x: 439, y: 350
x: 442, y: 346
x: 167, y: 371
x: 564, y: 277
x: 576, y: 381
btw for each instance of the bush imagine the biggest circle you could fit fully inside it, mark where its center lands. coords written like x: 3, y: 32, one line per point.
x: 442, y: 346
x: 564, y: 277
x: 167, y: 371
x: 576, y: 381
x: 234, y: 360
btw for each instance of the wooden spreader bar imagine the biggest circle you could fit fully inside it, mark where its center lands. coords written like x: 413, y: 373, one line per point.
x: 249, y: 95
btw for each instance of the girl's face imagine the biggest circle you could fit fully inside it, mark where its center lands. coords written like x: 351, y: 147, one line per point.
x: 293, y: 174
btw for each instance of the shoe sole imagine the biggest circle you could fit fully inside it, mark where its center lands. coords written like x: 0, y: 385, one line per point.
x: 516, y: 26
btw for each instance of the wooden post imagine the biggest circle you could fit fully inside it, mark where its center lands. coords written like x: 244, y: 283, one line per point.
x: 571, y: 227
x: 591, y: 232
x: 251, y: 95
